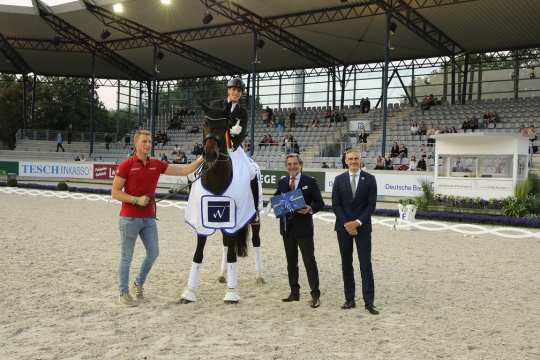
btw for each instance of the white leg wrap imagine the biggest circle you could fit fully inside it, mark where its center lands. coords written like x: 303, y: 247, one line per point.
x: 224, y: 260
x: 258, y: 260
x: 193, y: 282
x: 231, y: 275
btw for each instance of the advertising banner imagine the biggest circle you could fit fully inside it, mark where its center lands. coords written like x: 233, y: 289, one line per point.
x: 406, y: 184
x: 9, y: 167
x: 104, y: 171
x: 56, y: 170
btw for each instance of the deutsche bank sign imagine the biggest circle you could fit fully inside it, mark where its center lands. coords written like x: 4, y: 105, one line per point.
x: 55, y: 170
x: 218, y: 212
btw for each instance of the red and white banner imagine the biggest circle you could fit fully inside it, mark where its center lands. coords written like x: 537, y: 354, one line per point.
x: 104, y: 171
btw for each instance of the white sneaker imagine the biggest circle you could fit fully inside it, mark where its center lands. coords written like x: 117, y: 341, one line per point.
x: 126, y: 299
x: 137, y: 291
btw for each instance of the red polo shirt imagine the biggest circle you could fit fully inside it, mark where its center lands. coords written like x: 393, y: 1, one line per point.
x: 141, y: 180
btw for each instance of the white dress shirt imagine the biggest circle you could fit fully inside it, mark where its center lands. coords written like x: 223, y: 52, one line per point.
x: 233, y: 105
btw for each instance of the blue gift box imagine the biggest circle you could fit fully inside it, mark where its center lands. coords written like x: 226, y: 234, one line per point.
x: 284, y: 204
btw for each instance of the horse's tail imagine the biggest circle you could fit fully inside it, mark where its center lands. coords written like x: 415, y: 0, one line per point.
x: 241, y: 241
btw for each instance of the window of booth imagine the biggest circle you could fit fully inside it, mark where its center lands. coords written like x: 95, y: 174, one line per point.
x: 522, y: 166
x: 480, y: 166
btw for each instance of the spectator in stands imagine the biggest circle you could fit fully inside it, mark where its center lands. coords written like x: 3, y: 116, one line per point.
x: 286, y: 144
x: 292, y: 119
x: 466, y: 125
x: 422, y: 165
x: 427, y: 102
x: 77, y: 158
x: 328, y: 114
x: 176, y: 149
x: 453, y: 130
x: 183, y: 157
x: 325, y: 165
x: 412, y: 163
x: 59, y: 142
x: 108, y: 140
x: 165, y: 138
x: 394, y: 151
x: 430, y: 133
x: 388, y: 164
x: 164, y: 157
x: 295, y: 148
x: 474, y: 123
x: 365, y: 105
x: 83, y: 158
x: 380, y: 164
x: 280, y: 125
x: 403, y: 151
x: 490, y: 119
x: 532, y: 134
x: 315, y: 122
x: 127, y: 140
x: 415, y: 129
x: 524, y: 131
x: 264, y: 142
x: 197, y: 149
x: 194, y: 130
x: 423, y: 129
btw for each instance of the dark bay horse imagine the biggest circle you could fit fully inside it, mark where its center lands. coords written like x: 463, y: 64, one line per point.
x: 216, y: 176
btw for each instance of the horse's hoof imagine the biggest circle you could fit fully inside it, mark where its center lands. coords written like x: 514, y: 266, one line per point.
x: 221, y: 279
x: 260, y: 281
x: 231, y: 297
x: 188, y: 296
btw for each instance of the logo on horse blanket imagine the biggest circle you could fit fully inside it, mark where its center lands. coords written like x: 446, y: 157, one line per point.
x: 218, y: 212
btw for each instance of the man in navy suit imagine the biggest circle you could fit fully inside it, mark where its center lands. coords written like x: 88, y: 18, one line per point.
x: 354, y: 197
x: 297, y: 229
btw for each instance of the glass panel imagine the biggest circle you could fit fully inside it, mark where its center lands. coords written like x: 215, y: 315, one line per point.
x: 463, y: 166
x: 484, y: 166
x: 495, y: 166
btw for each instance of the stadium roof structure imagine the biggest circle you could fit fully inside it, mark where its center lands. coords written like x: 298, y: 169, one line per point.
x: 61, y: 37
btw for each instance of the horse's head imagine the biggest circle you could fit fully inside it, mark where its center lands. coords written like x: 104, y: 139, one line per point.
x: 216, y: 123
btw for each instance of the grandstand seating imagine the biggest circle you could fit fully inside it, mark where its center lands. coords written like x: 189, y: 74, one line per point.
x: 511, y: 114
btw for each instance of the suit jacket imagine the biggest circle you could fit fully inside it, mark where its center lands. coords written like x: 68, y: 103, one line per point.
x: 299, y: 225
x: 360, y: 206
x: 238, y: 113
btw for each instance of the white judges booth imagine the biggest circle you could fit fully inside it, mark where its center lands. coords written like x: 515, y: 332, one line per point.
x: 480, y: 165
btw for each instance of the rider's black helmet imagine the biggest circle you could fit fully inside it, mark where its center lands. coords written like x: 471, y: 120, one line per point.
x: 236, y: 82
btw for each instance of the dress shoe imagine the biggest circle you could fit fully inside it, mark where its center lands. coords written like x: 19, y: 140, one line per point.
x: 315, y: 302
x: 372, y: 310
x: 292, y: 297
x: 348, y: 305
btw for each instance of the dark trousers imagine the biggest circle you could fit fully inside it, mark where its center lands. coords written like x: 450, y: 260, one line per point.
x: 308, y: 256
x: 363, y: 247
x: 59, y: 146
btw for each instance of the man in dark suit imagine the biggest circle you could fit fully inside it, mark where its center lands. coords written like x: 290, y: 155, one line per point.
x: 239, y: 116
x: 354, y: 197
x: 297, y: 229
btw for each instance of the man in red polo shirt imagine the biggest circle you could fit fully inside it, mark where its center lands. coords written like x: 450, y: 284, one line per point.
x: 135, y: 186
